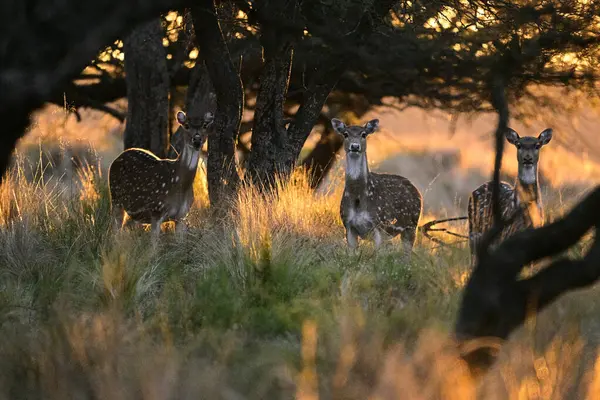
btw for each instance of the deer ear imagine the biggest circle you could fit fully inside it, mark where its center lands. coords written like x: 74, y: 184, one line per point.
x: 371, y: 126
x: 181, y: 118
x: 338, y: 126
x: 545, y: 136
x: 512, y: 136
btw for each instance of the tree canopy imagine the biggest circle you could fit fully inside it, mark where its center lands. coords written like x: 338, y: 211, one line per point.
x: 298, y: 63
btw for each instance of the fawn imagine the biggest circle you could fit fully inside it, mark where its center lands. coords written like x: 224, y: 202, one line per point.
x: 524, y: 198
x: 150, y: 190
x: 375, y: 205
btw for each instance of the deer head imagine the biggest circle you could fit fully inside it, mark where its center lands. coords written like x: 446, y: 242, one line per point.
x: 355, y: 136
x: 195, y: 131
x: 528, y: 152
x: 355, y: 146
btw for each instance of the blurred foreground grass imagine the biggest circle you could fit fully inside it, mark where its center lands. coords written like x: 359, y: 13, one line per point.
x: 267, y: 304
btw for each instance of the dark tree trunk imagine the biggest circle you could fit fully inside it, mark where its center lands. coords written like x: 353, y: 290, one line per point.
x: 275, y: 148
x: 61, y: 50
x: 320, y: 160
x: 147, y: 79
x: 269, y: 134
x: 198, y: 100
x: 222, y: 173
x: 15, y: 122
x: 310, y: 110
x: 497, y: 299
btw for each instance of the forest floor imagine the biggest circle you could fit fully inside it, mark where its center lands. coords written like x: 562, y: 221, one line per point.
x: 266, y: 303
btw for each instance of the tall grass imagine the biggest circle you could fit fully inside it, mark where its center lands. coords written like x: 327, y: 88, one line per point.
x: 268, y: 304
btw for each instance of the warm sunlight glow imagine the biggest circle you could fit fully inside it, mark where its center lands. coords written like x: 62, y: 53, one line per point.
x: 443, y: 20
x: 171, y: 16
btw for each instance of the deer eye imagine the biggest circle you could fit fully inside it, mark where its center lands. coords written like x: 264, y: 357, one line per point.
x: 186, y: 126
x: 537, y: 146
x: 363, y: 135
x: 345, y: 134
x: 518, y: 145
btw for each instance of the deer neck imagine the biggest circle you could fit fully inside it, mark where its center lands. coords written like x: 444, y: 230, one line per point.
x: 528, y: 192
x: 187, y: 164
x: 357, y: 176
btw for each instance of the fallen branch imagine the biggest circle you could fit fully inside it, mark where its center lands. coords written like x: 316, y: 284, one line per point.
x: 496, y: 301
x: 425, y: 229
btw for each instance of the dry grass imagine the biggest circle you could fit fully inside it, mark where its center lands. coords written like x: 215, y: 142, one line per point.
x: 268, y: 305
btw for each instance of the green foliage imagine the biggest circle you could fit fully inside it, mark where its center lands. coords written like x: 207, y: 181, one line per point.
x: 217, y: 308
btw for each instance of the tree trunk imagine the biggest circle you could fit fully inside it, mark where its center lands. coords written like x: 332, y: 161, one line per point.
x: 275, y: 149
x: 222, y: 173
x: 310, y: 110
x: 198, y: 100
x: 57, y: 58
x: 321, y: 158
x: 147, y: 79
x: 269, y: 134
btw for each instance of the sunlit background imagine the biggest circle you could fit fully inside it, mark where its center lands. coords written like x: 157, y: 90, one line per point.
x: 270, y: 304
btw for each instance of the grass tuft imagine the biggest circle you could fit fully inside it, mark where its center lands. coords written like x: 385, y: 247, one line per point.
x: 269, y: 304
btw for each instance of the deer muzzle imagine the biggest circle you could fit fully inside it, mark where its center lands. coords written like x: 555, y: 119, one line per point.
x: 354, y: 147
x: 197, y: 141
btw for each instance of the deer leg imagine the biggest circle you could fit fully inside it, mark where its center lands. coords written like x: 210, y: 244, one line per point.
x: 129, y: 222
x: 118, y: 217
x: 473, y: 241
x: 409, y: 235
x: 377, y: 238
x: 180, y: 227
x: 155, y: 227
x: 351, y: 238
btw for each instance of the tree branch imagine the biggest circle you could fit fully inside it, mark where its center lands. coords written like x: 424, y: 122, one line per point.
x: 495, y: 301
x: 227, y: 83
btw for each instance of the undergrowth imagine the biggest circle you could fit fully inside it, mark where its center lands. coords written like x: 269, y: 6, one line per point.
x: 264, y: 304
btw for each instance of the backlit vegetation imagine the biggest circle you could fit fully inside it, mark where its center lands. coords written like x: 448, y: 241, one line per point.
x: 265, y: 304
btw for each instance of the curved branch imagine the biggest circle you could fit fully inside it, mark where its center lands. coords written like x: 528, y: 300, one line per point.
x: 495, y: 301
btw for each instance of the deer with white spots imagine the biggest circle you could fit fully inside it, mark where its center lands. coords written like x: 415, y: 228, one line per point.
x: 150, y: 190
x: 377, y: 206
x: 524, y: 198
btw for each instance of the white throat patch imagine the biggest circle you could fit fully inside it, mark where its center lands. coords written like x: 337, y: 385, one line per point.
x: 528, y: 175
x: 356, y: 167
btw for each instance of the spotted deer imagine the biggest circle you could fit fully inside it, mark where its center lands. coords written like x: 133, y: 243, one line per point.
x: 523, y: 198
x: 374, y: 205
x: 150, y: 190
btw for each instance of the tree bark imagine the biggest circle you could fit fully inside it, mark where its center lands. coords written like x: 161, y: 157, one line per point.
x: 147, y: 78
x: 321, y: 158
x: 199, y: 99
x: 308, y: 113
x: 496, y: 301
x: 275, y: 148
x: 30, y: 76
x: 269, y: 135
x: 222, y: 173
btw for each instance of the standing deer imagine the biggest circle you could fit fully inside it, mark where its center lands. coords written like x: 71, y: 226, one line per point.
x: 150, y: 190
x: 524, y: 198
x: 375, y: 205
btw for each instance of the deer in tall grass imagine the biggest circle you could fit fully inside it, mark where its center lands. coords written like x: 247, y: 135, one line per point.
x: 524, y: 198
x: 150, y: 190
x: 376, y: 206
